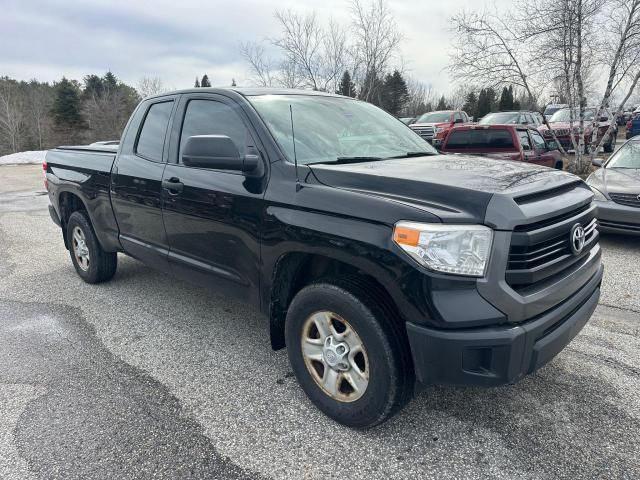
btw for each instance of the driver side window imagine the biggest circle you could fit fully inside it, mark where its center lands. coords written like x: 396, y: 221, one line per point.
x: 209, y: 117
x: 538, y: 141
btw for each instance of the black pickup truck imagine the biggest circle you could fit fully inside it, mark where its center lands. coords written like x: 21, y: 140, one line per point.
x: 376, y: 260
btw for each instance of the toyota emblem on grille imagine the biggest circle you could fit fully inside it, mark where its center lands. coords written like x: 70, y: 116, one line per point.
x: 577, y: 239
x: 638, y: 197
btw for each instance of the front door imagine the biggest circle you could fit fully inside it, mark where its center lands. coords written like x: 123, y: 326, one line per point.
x: 545, y: 156
x: 136, y: 190
x: 212, y: 220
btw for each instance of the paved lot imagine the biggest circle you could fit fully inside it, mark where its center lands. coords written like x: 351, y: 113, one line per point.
x: 148, y: 377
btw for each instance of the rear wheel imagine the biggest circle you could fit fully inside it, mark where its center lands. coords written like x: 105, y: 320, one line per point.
x: 349, y: 353
x: 91, y: 262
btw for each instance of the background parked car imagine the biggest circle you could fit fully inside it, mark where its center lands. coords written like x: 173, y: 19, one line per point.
x: 434, y: 126
x: 553, y: 108
x: 616, y: 187
x: 633, y: 126
x: 512, y: 118
x: 507, y: 142
x: 560, y: 123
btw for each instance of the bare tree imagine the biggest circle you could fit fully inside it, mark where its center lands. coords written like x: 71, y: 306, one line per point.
x: 377, y: 40
x: 302, y: 42
x: 262, y: 67
x: 12, y: 114
x: 422, y: 98
x: 148, y: 86
x: 39, y: 102
x: 623, y: 39
x: 489, y: 51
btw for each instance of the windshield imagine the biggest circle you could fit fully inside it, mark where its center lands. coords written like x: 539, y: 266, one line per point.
x: 564, y: 115
x: 329, y: 128
x: 435, y: 117
x: 628, y: 156
x: 501, y: 117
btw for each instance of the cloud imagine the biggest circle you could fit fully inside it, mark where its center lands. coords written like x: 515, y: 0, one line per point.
x: 179, y: 40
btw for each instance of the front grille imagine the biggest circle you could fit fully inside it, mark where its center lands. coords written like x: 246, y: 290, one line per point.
x: 425, y: 132
x: 628, y: 199
x: 561, y: 132
x: 543, y: 250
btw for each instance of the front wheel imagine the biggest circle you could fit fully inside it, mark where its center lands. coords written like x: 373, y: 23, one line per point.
x: 91, y: 262
x: 349, y: 353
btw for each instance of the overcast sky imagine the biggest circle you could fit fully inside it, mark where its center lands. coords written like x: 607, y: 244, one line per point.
x: 179, y: 39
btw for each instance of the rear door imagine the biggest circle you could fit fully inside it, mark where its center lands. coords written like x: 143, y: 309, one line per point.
x: 212, y: 219
x: 136, y: 191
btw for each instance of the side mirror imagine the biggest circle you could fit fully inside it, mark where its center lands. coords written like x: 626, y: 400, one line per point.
x: 218, y: 152
x: 597, y: 162
x: 458, y: 120
x: 552, y: 145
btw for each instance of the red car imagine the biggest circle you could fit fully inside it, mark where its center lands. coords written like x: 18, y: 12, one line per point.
x: 434, y: 126
x: 507, y: 142
x: 560, y: 123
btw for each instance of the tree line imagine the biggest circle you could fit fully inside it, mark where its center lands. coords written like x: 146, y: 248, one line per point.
x: 39, y: 115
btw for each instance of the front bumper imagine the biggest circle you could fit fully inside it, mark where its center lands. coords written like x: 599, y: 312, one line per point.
x: 616, y: 218
x: 502, y: 354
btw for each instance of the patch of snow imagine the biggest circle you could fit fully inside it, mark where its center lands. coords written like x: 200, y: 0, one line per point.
x: 31, y: 157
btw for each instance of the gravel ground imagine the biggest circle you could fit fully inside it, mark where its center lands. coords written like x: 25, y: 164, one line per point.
x: 108, y: 381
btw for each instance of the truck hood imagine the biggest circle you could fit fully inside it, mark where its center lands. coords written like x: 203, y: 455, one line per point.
x: 454, y: 188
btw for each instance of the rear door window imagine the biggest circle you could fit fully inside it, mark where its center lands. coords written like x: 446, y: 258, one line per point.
x: 480, y: 139
x: 151, y: 139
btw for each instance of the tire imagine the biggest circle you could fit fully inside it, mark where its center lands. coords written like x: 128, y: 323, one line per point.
x: 383, y: 361
x: 559, y: 165
x: 91, y: 262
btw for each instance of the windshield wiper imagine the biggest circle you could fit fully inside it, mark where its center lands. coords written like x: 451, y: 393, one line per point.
x: 416, y: 154
x: 343, y: 160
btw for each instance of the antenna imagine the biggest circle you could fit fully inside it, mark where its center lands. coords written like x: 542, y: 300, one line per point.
x: 295, y: 156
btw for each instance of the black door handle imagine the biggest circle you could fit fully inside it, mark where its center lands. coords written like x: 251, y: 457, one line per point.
x: 173, y: 185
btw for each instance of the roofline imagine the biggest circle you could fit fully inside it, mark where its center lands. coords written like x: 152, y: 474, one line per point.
x: 249, y: 92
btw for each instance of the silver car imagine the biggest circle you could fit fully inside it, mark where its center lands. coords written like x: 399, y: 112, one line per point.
x: 616, y: 186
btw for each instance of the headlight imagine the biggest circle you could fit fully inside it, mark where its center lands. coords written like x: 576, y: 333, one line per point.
x: 598, y: 195
x: 456, y: 249
x: 439, y: 129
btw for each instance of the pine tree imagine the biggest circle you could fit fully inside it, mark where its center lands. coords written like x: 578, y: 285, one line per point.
x: 205, y: 81
x: 347, y: 87
x: 66, y: 110
x: 470, y: 103
x: 442, y: 104
x: 109, y: 81
x: 396, y: 93
x: 485, y: 102
x: 506, y: 99
x: 197, y: 84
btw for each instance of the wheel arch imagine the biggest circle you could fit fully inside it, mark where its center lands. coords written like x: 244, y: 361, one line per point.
x: 295, y: 270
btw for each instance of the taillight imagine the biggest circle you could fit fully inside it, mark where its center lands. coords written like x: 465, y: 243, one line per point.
x: 629, y: 125
x: 44, y: 173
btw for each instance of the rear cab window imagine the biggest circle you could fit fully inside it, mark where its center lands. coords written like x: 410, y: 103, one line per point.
x: 150, y: 144
x: 489, y: 139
